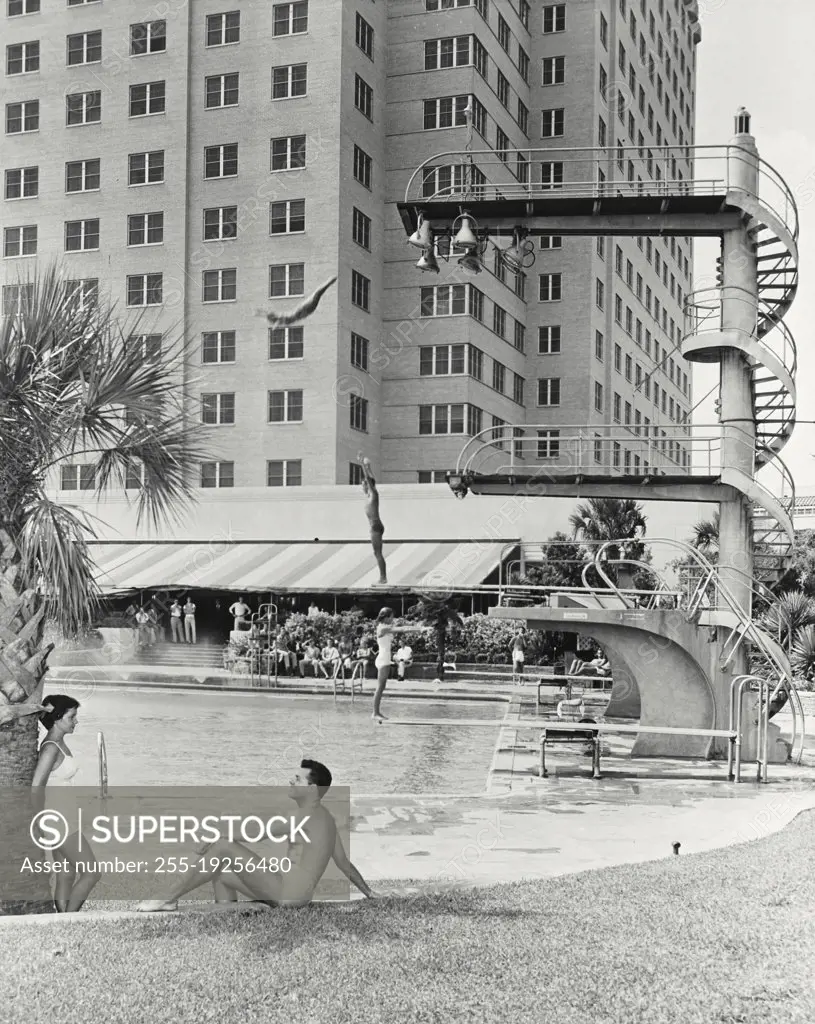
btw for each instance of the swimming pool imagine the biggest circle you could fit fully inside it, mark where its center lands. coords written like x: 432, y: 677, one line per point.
x: 185, y: 738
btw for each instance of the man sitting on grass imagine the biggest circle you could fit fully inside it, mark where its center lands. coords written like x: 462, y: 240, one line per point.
x: 233, y: 868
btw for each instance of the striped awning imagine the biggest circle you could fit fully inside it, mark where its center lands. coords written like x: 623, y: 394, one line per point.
x: 259, y: 566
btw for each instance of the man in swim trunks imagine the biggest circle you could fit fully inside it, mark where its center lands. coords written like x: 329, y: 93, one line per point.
x: 372, y: 512
x: 240, y: 870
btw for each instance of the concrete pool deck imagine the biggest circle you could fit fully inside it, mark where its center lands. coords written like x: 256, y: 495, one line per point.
x: 526, y: 828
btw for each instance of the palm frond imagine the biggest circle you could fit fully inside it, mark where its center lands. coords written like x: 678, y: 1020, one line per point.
x: 55, y: 555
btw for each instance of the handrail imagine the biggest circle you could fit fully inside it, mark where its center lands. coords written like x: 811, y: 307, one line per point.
x: 781, y: 200
x: 737, y: 688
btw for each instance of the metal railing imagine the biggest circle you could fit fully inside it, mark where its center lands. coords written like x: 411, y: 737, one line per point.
x: 711, y: 171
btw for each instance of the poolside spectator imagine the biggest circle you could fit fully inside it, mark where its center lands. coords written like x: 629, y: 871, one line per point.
x: 346, y: 656
x: 284, y: 655
x: 130, y: 612
x: 598, y: 666
x: 330, y: 659
x: 175, y: 623
x: 143, y: 633
x: 311, y: 656
x: 313, y: 610
x: 239, y: 610
x: 190, y: 634
x: 518, y: 654
x: 363, y: 656
x: 403, y: 659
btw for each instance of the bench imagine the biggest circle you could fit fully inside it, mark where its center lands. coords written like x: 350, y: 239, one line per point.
x: 572, y: 735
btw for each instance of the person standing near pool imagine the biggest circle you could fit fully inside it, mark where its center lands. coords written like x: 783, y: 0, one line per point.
x: 239, y: 610
x: 175, y: 622
x: 377, y: 527
x: 56, y: 766
x: 385, y: 630
x: 518, y: 654
x: 190, y: 635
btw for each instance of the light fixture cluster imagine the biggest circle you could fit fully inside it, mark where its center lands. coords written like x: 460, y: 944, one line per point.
x: 464, y: 236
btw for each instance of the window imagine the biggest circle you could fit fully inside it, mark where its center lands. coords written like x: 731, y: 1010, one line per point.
x: 476, y: 357
x: 223, y: 28
x: 599, y: 403
x: 359, y: 351
x: 426, y: 476
x: 287, y: 473
x: 358, y: 412
x: 145, y: 290
x: 17, y: 7
x: 549, y: 340
x: 518, y: 388
x: 83, y: 108
x: 81, y: 235
x: 20, y: 241
x: 218, y: 409
x: 599, y: 346
x: 501, y: 144
x: 148, y: 37
x: 285, y: 343
x: 218, y: 347
x: 601, y: 247
x: 504, y: 34
x: 365, y: 36
x: 519, y: 339
x: 82, y: 175
x: 452, y: 300
x: 289, y: 80
x: 502, y: 89
x: 450, y: 52
x: 444, y: 419
x: 77, y: 3
x: 221, y: 161
x: 361, y: 229
x: 554, y: 18
x: 551, y: 174
x: 221, y: 91
x: 549, y: 391
x: 362, y: 167
x: 602, y: 132
x: 220, y: 222
x: 523, y: 124
x: 599, y: 294
x: 77, y: 476
x: 287, y: 217
x: 22, y: 117
x: 217, y: 474
x: 360, y: 290
x: 499, y: 374
x: 85, y: 292
x: 499, y: 320
x: 23, y: 58
x: 22, y: 183
x: 290, y: 19
x: 17, y: 298
x: 550, y: 287
x: 548, y: 444
x: 604, y: 31
x: 523, y: 63
x: 618, y: 309
x: 288, y: 153
x: 286, y: 279
x: 551, y: 241
x: 147, y: 98
x: 552, y: 123
x: 446, y: 112
x: 363, y: 97
x: 148, y: 345
x: 144, y: 168
x: 220, y: 285
x: 134, y: 476
x: 285, y: 406
x: 145, y: 229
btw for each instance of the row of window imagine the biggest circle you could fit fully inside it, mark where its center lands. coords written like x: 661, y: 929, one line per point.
x: 285, y: 280
x: 279, y: 473
x: 467, y: 300
x: 150, y: 37
x: 286, y: 153
x: 613, y: 456
x: 286, y: 217
x: 454, y: 360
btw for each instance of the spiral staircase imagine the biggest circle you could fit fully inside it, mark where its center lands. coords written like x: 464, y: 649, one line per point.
x: 706, y: 205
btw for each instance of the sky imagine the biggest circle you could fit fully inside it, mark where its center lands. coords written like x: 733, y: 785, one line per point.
x: 758, y: 54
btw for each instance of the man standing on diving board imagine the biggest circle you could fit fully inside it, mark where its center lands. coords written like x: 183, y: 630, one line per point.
x: 372, y: 512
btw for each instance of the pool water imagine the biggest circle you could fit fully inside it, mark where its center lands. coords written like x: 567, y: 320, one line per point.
x: 184, y: 738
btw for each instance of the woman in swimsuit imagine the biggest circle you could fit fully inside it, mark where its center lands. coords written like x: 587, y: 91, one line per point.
x: 385, y: 630
x: 56, y: 766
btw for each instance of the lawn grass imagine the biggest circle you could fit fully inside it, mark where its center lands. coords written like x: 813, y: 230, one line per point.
x: 719, y: 938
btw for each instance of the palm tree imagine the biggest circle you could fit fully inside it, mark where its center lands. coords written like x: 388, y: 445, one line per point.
x: 73, y: 385
x: 803, y: 653
x: 706, y: 535
x: 611, y: 519
x: 788, y: 616
x: 440, y: 613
